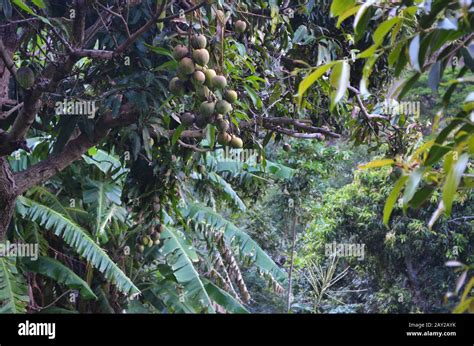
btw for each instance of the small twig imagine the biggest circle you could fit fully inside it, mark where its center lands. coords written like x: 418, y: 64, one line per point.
x: 193, y: 147
x: 7, y: 59
x: 118, y: 15
x: 11, y: 111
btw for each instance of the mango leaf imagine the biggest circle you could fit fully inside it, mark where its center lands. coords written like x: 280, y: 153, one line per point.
x: 411, y: 186
x: 361, y: 12
x: 414, y: 51
x: 338, y: 7
x: 177, y: 133
x: 311, y: 79
x: 340, y: 80
x: 392, y: 198
x: 347, y: 14
x: 384, y: 29
x: 377, y: 163
x: 452, y: 181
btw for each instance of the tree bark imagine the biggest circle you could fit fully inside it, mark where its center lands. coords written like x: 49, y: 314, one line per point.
x: 7, y: 182
x: 7, y: 196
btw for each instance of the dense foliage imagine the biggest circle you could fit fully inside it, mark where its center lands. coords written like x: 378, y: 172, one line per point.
x: 138, y: 203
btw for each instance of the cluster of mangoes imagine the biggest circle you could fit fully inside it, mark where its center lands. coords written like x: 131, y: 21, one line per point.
x: 152, y: 237
x: 214, y: 99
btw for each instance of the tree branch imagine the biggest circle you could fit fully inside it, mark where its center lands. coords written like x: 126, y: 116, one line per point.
x: 72, y: 151
x: 108, y: 54
x: 7, y: 59
x: 79, y: 24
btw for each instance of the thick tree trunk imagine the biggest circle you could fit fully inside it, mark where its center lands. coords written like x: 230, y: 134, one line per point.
x: 7, y: 182
x: 7, y: 196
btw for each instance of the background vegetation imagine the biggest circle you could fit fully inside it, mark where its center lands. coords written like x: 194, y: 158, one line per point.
x: 139, y: 210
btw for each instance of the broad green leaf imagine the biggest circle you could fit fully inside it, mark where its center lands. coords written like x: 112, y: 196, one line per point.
x: 340, y: 6
x: 180, y: 256
x: 384, y: 29
x: 392, y: 198
x: 312, y: 78
x: 177, y: 134
x: 347, y: 14
x: 340, y: 79
x: 57, y: 271
x: 411, y: 186
x: 237, y: 237
x: 79, y: 239
x: 361, y: 12
x: 377, y: 163
x: 13, y: 289
x: 414, y: 51
x: 452, y: 181
x: 224, y: 299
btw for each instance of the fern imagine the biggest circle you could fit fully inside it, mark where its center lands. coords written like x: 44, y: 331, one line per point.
x: 13, y: 290
x: 80, y: 241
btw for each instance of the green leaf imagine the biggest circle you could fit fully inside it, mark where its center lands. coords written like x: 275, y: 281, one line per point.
x: 311, y: 79
x: 23, y: 6
x: 411, y: 186
x: 177, y: 134
x: 340, y: 6
x: 408, y: 85
x: 237, y: 237
x: 347, y: 14
x: 340, y: 79
x: 384, y: 29
x: 39, y: 3
x: 421, y: 196
x: 392, y: 199
x: 180, y: 255
x: 377, y: 163
x: 361, y: 12
x: 452, y: 181
x: 434, y: 76
x: 256, y: 100
x: 57, y: 271
x: 224, y: 299
x: 414, y: 51
x: 106, y: 162
x: 78, y: 238
x: 13, y: 289
x: 228, y: 190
